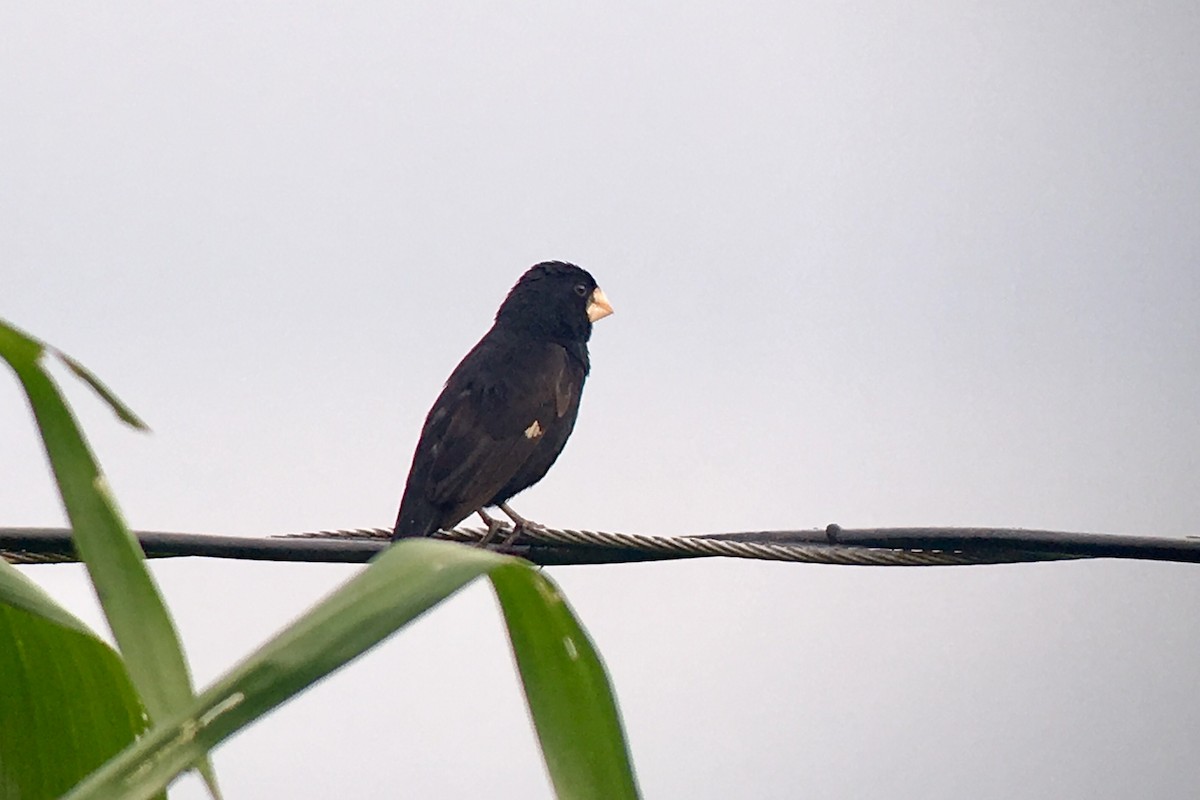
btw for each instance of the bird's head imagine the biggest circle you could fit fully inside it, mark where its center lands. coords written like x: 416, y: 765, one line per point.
x: 554, y: 300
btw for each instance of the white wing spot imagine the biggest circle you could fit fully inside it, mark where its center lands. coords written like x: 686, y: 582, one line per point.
x: 533, y: 431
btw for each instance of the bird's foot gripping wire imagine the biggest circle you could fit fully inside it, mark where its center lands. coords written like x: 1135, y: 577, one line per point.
x: 494, y: 526
x: 520, y: 525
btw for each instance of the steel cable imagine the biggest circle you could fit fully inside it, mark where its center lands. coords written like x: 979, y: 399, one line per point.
x: 831, y: 545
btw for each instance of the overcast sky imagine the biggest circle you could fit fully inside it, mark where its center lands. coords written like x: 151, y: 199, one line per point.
x: 874, y: 264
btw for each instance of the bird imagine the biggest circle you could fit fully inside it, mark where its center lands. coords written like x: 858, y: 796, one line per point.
x: 507, y: 409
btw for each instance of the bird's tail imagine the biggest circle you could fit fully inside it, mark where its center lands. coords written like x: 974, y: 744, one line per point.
x: 417, y: 517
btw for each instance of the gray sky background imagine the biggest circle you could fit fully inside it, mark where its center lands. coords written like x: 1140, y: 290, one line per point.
x: 872, y: 264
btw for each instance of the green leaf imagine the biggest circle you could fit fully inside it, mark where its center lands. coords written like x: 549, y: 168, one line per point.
x: 567, y: 688
x: 66, y: 705
x: 65, y: 690
x: 19, y: 348
x: 401, y: 584
x: 131, y: 601
x: 87, y: 376
x: 18, y: 591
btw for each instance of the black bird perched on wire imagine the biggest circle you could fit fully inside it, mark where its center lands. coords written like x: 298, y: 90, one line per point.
x: 506, y: 411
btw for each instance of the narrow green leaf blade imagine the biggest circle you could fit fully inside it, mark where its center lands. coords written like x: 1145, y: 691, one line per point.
x: 87, y: 376
x: 66, y: 692
x: 130, y: 599
x: 17, y: 347
x: 567, y: 688
x: 400, y: 584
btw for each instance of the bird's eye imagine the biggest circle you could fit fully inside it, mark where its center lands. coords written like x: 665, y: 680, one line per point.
x: 581, y: 290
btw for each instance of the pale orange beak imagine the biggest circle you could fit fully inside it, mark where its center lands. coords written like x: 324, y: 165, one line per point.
x: 598, y: 305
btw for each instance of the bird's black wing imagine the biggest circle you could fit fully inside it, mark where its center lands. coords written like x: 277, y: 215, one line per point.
x: 492, y: 416
x: 568, y: 388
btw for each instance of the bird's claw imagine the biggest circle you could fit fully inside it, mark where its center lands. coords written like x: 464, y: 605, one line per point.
x: 494, y: 526
x: 525, y: 526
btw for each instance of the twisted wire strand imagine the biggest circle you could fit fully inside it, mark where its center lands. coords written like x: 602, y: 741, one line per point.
x: 567, y: 546
x: 25, y: 557
x: 549, y: 546
x: 700, y: 547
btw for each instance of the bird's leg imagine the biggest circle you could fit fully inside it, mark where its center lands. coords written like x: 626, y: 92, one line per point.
x: 494, y: 526
x: 519, y: 524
